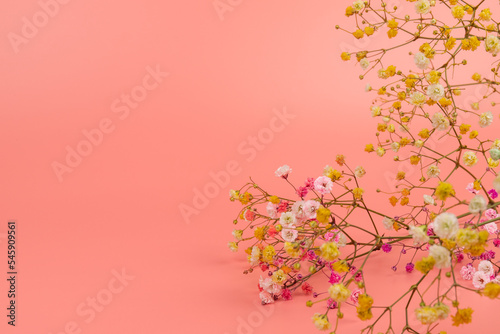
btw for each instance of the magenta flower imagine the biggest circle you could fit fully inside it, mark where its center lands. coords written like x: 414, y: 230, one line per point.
x: 334, y: 278
x: 286, y: 294
x: 386, y: 248
x: 493, y: 193
x: 409, y: 267
x: 310, y: 183
x: 302, y: 192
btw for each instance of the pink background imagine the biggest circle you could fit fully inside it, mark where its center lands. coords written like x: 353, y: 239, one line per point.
x: 120, y: 206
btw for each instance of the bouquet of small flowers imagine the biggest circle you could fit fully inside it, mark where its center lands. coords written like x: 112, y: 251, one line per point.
x: 449, y: 226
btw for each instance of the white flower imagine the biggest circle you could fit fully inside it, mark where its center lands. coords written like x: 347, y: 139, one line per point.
x: 417, y: 99
x: 359, y: 171
x: 422, y: 6
x: 433, y: 171
x: 446, y: 225
x: 419, y: 143
x: 289, y: 234
x: 375, y: 111
x: 358, y: 5
x: 310, y: 208
x: 323, y: 185
x: 388, y: 223
x: 419, y: 234
x: 365, y: 63
x: 380, y: 151
x: 254, y: 257
x: 492, y: 44
x: 496, y: 183
x: 368, y: 87
x: 469, y: 158
x: 238, y: 234
x: 233, y: 246
x: 272, y: 210
x: 441, y: 255
x: 421, y: 61
x: 478, y: 204
x: 485, y: 119
x: 435, y: 91
x: 486, y: 267
x: 288, y: 219
x: 480, y: 279
x: 440, y: 121
x: 283, y: 171
x: 395, y: 146
x: 429, y: 200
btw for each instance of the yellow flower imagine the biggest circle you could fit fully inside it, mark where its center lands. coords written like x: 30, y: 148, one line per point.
x: 450, y: 43
x: 321, y: 322
x: 292, y: 249
x: 393, y: 200
x: 470, y: 43
x: 365, y: 303
x: 433, y: 77
x: 358, y: 34
x: 405, y: 200
x: 426, y: 315
x: 340, y: 159
x: 463, y: 316
x: 411, y: 80
x: 485, y: 15
x: 427, y: 50
x: 274, y: 199
x: 369, y: 30
x: 338, y: 292
x: 414, y: 159
x: 345, y: 56
x: 349, y: 11
x: 458, y: 12
x: 390, y: 70
x: 401, y: 175
x: 442, y: 310
x: 469, y: 158
x: 392, y: 33
x: 358, y: 193
x: 448, y: 244
x: 491, y: 290
x: 476, y: 77
x: 340, y: 266
x: 404, y: 141
x: 369, y: 148
x: 323, y: 215
x: 279, y: 276
x: 473, y: 134
x: 444, y: 190
x: 260, y: 233
x: 444, y: 102
x: 329, y: 251
x: 392, y: 24
x: 268, y: 253
x: 425, y: 265
x: 492, y: 163
x: 464, y: 128
x: 472, y: 240
x: 245, y: 198
x: 424, y: 133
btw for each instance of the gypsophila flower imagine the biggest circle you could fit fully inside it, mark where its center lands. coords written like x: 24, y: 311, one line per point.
x: 440, y: 122
x: 485, y: 119
x: 435, y: 91
x: 441, y: 255
x: 421, y: 61
x: 422, y: 7
x: 323, y: 185
x: 478, y: 204
x: 283, y: 171
x: 445, y: 225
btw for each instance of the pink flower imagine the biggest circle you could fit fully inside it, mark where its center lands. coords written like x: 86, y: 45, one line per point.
x: 329, y: 236
x: 266, y: 298
x: 272, y: 210
x: 289, y: 234
x: 409, y: 267
x: 307, y: 288
x: 486, y: 267
x: 279, y: 262
x: 310, y: 208
x: 355, y: 295
x: 282, y: 207
x: 302, y: 191
x: 334, y: 278
x: 268, y: 285
x: 283, y: 171
x: 467, y: 272
x: 491, y: 228
x: 323, y: 185
x: 470, y: 188
x: 490, y: 214
x: 332, y: 304
x: 286, y: 294
x: 310, y: 183
x: 249, y: 215
x: 272, y: 231
x: 479, y: 279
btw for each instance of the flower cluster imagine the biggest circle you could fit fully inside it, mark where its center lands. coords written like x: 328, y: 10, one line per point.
x: 439, y: 128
